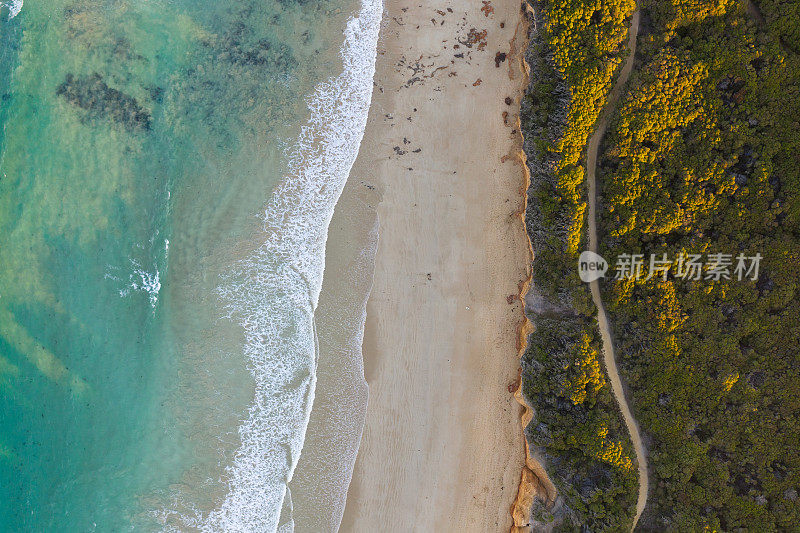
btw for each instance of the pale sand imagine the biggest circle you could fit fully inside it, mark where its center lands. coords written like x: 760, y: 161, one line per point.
x: 442, y: 448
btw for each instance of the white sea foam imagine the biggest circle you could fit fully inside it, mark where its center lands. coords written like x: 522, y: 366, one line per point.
x: 273, y: 294
x: 140, y: 280
x: 14, y: 7
x: 144, y: 281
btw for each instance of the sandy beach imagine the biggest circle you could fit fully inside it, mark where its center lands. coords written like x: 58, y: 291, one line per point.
x: 442, y: 447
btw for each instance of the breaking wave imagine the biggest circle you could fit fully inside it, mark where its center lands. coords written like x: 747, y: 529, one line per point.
x: 14, y: 7
x: 273, y: 293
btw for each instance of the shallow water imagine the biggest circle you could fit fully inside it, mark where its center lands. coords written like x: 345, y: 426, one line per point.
x: 168, y: 172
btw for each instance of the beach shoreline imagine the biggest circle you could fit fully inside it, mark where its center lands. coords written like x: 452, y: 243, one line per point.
x: 442, y: 447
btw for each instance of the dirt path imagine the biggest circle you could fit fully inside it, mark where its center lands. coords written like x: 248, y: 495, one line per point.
x: 605, y: 330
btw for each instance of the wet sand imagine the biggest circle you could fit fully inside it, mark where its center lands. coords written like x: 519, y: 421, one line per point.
x: 319, y: 485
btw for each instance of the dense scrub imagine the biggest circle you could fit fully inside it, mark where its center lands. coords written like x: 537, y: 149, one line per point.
x: 577, y: 427
x: 576, y: 50
x: 703, y: 156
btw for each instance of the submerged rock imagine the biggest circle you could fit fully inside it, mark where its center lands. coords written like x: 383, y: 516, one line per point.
x: 93, y: 95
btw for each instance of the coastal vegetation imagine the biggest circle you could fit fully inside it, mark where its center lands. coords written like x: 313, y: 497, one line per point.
x: 701, y: 157
x: 575, y: 54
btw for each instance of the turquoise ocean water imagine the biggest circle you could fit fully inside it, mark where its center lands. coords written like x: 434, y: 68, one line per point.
x: 168, y: 169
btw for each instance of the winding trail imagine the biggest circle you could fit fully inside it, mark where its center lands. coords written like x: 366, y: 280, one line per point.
x: 605, y: 330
